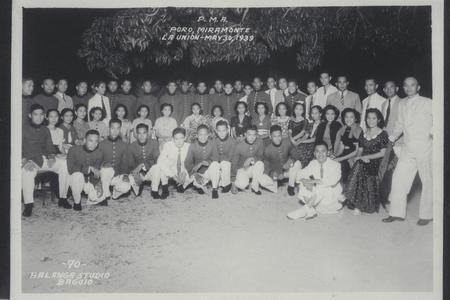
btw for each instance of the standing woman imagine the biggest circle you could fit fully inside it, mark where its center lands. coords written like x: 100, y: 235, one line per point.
x: 262, y: 122
x: 192, y: 121
x: 347, y: 141
x: 100, y: 100
x: 362, y: 189
x: 56, y: 133
x: 327, y: 130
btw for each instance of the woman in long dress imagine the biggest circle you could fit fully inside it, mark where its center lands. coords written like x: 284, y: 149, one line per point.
x: 362, y: 189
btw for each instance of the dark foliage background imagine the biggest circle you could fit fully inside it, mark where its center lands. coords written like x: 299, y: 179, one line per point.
x: 386, y: 42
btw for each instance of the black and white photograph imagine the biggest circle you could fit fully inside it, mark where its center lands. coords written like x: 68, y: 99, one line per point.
x: 242, y: 149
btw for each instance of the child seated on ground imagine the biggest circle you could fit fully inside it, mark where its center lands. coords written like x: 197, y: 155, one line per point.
x: 320, y: 189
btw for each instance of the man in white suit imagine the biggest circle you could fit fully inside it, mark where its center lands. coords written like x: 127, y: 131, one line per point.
x: 373, y: 100
x: 415, y: 121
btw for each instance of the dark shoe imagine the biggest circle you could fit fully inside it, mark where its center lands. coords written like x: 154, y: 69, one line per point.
x: 27, y: 212
x: 256, y: 192
x: 200, y: 191
x: 104, y: 202
x: 165, y: 191
x: 155, y: 195
x: 291, y: 190
x: 77, y: 207
x: 423, y: 222
x: 226, y: 188
x: 180, y: 188
x: 141, y: 189
x: 391, y: 219
x: 62, y: 202
x: 215, y: 194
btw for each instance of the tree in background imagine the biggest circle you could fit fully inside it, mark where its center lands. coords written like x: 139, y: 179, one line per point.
x: 131, y: 38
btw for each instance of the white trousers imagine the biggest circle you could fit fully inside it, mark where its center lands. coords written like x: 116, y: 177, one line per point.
x: 167, y: 173
x: 78, y: 185
x: 211, y: 174
x: 293, y: 172
x: 407, y: 167
x: 326, y: 199
x: 224, y: 173
x: 256, y: 173
x: 154, y: 175
x: 60, y: 168
x: 119, y: 185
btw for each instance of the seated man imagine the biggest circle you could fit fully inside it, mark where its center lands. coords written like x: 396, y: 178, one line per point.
x: 39, y: 155
x: 171, y: 162
x: 320, y: 189
x: 142, y: 157
x: 114, y: 163
x: 277, y: 164
x: 83, y: 164
x: 247, y: 164
x: 224, y: 150
x: 199, y: 162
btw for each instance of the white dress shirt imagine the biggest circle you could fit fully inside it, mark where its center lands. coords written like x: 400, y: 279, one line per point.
x: 169, y: 156
x: 271, y: 92
x: 323, y: 93
x: 372, y: 101
x: 96, y: 101
x: 415, y: 121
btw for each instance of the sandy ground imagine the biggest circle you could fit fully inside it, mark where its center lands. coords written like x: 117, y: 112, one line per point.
x: 241, y: 243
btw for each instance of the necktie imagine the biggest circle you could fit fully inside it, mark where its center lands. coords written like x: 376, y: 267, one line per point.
x: 388, y: 111
x: 342, y: 98
x: 321, y: 171
x: 64, y: 98
x: 179, y: 162
x: 103, y: 104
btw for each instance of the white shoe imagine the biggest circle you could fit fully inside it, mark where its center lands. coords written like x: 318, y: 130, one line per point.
x: 95, y: 200
x: 297, y: 214
x: 356, y: 212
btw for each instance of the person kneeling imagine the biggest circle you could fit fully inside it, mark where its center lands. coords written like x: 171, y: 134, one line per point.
x: 247, y: 163
x: 113, y: 167
x: 83, y: 164
x: 224, y: 149
x: 200, y: 163
x: 277, y: 163
x: 171, y: 162
x: 320, y: 189
x: 142, y: 157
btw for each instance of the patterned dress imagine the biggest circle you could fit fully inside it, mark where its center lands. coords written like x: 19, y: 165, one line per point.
x: 362, y: 189
x: 284, y: 124
x: 304, y: 152
x: 190, y: 124
x: 349, y: 146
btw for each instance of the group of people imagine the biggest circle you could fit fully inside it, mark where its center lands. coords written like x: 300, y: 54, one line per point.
x: 326, y: 145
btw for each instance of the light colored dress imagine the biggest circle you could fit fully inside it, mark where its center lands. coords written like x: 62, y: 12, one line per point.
x: 101, y: 127
x: 57, y: 137
x: 190, y: 124
x: 126, y: 130
x: 164, y: 127
x: 283, y: 122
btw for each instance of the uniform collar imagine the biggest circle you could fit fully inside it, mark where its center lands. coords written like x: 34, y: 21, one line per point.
x: 87, y: 150
x: 37, y: 126
x: 249, y: 143
x: 225, y: 139
x: 202, y: 144
x: 142, y: 144
x: 113, y: 140
x: 275, y: 145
